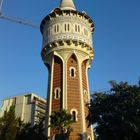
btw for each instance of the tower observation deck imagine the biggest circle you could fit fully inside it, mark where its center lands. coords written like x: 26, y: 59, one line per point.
x: 67, y: 51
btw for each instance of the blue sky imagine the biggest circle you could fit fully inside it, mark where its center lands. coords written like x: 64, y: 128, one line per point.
x: 116, y: 44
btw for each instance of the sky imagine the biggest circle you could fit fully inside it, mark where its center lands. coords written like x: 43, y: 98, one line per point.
x: 116, y: 44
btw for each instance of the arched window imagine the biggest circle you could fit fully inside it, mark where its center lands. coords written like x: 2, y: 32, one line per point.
x: 75, y: 28
x: 57, y: 94
x: 85, y: 94
x: 79, y: 28
x: 74, y: 114
x: 72, y: 72
x: 85, y: 32
x: 88, y: 138
x: 66, y: 27
x: 57, y: 28
x: 57, y: 91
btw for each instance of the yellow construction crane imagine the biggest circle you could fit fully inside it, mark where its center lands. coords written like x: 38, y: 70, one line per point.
x: 16, y: 20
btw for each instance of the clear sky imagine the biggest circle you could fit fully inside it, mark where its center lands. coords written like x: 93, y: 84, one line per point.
x: 116, y: 44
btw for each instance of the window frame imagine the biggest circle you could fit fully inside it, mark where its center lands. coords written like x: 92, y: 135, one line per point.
x: 57, y: 92
x: 76, y: 114
x: 72, y: 71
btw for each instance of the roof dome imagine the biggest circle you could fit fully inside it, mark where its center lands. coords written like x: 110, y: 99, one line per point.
x: 67, y: 4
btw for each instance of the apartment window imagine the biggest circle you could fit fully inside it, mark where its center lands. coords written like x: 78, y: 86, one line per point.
x: 27, y: 99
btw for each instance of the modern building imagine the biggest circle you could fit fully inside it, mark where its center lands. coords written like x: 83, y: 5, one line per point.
x: 29, y: 107
x: 67, y: 52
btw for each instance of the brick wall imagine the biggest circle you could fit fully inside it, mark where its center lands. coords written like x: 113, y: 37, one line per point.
x: 73, y: 96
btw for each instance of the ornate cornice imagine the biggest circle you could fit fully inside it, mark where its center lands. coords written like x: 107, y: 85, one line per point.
x: 59, y: 12
x: 67, y: 45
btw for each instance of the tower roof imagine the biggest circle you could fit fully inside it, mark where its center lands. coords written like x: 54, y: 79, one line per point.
x: 67, y: 4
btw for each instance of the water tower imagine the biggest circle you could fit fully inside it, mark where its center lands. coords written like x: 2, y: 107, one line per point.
x: 67, y: 52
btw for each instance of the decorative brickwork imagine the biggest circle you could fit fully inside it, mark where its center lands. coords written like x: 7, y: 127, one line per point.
x: 57, y: 82
x: 73, y: 95
x: 85, y: 93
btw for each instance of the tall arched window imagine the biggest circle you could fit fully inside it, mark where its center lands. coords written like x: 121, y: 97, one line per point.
x: 75, y: 28
x: 85, y: 32
x: 72, y: 72
x: 66, y: 27
x: 79, y: 28
x: 74, y: 114
x: 57, y: 91
x: 88, y: 138
x: 85, y: 94
x: 57, y: 28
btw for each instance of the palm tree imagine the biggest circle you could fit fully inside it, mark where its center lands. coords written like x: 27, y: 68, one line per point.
x: 61, y: 123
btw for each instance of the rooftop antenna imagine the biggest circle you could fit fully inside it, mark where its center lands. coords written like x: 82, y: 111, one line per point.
x: 16, y: 20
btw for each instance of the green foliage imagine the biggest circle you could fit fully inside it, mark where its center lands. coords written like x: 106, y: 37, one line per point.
x: 12, y: 128
x: 8, y: 125
x: 61, y: 122
x: 116, y: 114
x: 32, y: 133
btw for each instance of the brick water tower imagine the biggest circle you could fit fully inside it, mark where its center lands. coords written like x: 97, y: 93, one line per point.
x: 67, y: 52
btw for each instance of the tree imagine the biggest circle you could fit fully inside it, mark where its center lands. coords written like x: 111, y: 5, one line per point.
x: 32, y: 133
x: 12, y: 128
x: 8, y: 125
x: 116, y: 114
x: 61, y: 123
